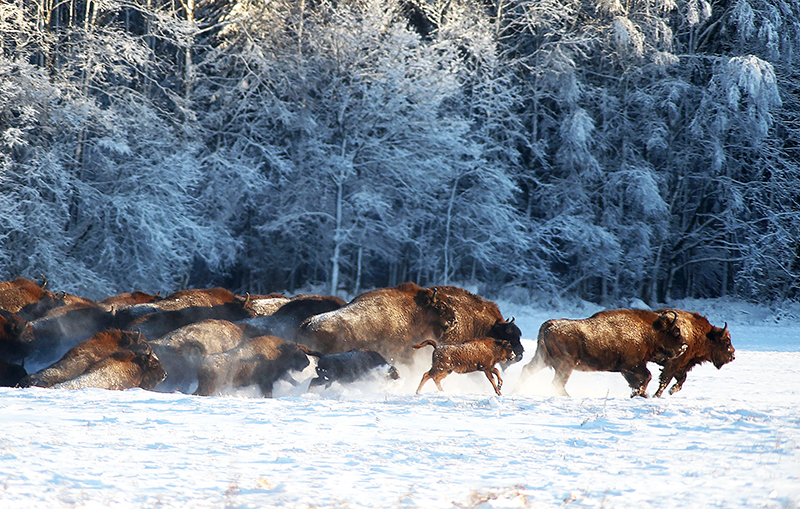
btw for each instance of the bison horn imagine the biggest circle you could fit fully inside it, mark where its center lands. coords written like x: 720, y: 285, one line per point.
x: 674, y: 315
x: 433, y: 296
x: 247, y: 300
x: 44, y: 281
x: 511, y: 321
x: 724, y: 329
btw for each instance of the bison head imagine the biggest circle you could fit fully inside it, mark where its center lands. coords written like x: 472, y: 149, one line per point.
x: 722, y: 351
x: 508, y: 331
x: 153, y: 372
x: 438, y: 309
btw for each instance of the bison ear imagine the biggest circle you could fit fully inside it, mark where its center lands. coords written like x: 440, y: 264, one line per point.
x: 425, y: 297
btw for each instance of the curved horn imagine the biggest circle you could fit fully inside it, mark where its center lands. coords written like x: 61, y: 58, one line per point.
x: 511, y: 321
x: 675, y: 317
x: 247, y: 300
x: 44, y: 281
x: 724, y: 329
x: 433, y: 297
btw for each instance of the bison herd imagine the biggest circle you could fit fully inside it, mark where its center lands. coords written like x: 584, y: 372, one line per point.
x: 205, y: 341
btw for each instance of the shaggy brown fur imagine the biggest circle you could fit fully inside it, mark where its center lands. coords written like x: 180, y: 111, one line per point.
x: 260, y: 361
x: 475, y: 355
x: 27, y: 298
x: 79, y: 358
x: 477, y: 317
x: 388, y: 320
x: 121, y: 370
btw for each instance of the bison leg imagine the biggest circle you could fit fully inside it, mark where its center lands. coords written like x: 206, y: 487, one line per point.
x: 679, y: 379
x: 561, y: 378
x: 666, y: 375
x: 637, y: 379
x: 436, y: 377
x: 490, y: 374
x: 534, y: 366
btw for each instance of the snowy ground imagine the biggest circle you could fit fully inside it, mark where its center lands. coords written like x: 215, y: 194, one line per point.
x: 729, y: 439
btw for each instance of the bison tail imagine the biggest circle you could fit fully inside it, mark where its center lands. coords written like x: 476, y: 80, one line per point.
x: 427, y: 342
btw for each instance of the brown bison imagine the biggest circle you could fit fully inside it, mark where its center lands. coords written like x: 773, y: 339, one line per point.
x: 351, y: 366
x: 79, y: 358
x: 155, y: 319
x: 13, y: 346
x: 123, y: 300
x: 285, y: 320
x: 621, y: 340
x: 182, y: 351
x: 704, y: 342
x: 265, y: 305
x: 48, y: 338
x: 474, y: 355
x: 259, y: 361
x: 477, y: 317
x: 124, y: 369
x: 27, y: 298
x: 387, y: 320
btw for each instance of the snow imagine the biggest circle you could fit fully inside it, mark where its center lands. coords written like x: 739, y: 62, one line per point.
x: 729, y: 439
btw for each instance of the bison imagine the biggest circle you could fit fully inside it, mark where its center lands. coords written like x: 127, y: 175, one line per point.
x: 621, y: 340
x: 48, y: 338
x: 27, y: 298
x: 79, y: 358
x: 182, y: 351
x: 474, y: 355
x: 155, y: 319
x: 259, y: 361
x: 387, y: 320
x: 703, y: 342
x: 350, y: 366
x: 124, y: 300
x: 476, y: 317
x: 13, y: 346
x: 285, y: 320
x: 11, y: 374
x: 265, y: 305
x: 121, y: 370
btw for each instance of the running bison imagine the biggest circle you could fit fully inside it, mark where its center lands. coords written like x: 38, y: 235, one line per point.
x: 121, y: 370
x: 704, y: 343
x: 387, y: 320
x: 621, y: 340
x: 182, y: 351
x: 260, y: 361
x: 351, y: 366
x: 286, y: 319
x: 79, y: 358
x: 13, y: 346
x: 27, y: 298
x: 475, y: 355
x: 476, y: 317
x: 48, y: 338
x: 155, y: 319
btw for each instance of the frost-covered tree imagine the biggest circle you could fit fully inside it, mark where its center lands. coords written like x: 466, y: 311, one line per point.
x: 98, y: 184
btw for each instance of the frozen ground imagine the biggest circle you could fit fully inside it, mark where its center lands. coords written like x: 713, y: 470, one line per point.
x: 729, y: 439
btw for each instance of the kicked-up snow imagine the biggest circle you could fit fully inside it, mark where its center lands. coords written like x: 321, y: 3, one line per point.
x: 729, y: 439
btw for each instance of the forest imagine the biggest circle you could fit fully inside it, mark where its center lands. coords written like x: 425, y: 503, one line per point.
x: 535, y: 149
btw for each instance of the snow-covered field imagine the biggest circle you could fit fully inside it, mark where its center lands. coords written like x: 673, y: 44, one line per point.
x: 729, y: 439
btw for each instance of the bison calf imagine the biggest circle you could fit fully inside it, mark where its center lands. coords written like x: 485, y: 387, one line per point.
x: 350, y: 366
x: 476, y: 355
